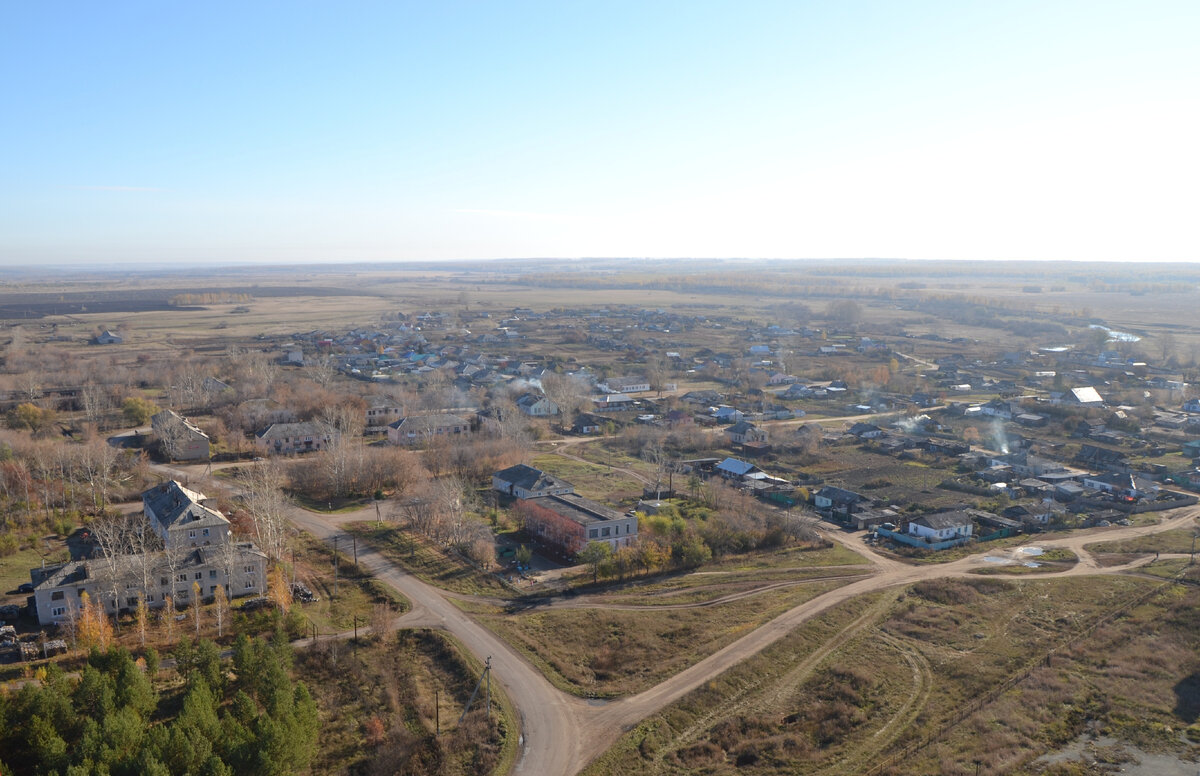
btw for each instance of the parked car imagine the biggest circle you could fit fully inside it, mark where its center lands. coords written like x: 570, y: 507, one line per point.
x: 26, y: 587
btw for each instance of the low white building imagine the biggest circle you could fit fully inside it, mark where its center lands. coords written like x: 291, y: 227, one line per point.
x: 536, y: 405
x: 625, y: 384
x: 527, y: 482
x: 416, y: 429
x: 942, y: 526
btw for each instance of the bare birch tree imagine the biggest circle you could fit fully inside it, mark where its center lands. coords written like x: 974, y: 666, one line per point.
x: 262, y: 494
x: 342, y: 456
x: 321, y: 369
x: 115, y: 537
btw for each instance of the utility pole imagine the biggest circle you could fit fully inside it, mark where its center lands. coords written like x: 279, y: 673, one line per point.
x: 487, y: 677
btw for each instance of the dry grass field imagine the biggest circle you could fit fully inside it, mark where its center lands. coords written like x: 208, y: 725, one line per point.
x: 609, y: 652
x: 848, y: 690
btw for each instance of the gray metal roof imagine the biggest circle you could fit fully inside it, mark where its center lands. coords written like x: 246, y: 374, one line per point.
x: 174, y: 505
x: 530, y: 479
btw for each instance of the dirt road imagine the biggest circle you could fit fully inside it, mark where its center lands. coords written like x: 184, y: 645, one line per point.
x: 561, y: 733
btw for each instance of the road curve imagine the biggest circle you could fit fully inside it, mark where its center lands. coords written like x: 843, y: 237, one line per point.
x: 561, y: 734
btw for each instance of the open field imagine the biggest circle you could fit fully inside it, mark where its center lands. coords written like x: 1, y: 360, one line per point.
x: 600, y: 652
x: 595, y: 481
x: 860, y: 681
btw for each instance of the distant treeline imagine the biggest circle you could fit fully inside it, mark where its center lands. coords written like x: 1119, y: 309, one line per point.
x: 219, y: 297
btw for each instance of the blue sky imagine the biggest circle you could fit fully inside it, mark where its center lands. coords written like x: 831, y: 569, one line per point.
x: 304, y: 131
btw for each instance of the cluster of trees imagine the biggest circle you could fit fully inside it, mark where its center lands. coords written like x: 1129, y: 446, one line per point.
x: 444, y: 511
x: 112, y: 720
x: 687, y: 534
x: 50, y: 484
x: 31, y: 417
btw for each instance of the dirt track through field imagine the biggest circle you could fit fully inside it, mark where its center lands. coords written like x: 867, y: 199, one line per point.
x: 561, y: 734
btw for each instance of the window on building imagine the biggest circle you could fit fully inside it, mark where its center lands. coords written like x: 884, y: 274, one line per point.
x: 212, y: 590
x: 57, y: 595
x: 181, y: 577
x: 149, y: 597
x: 205, y: 532
x: 163, y: 581
x: 131, y: 602
x: 199, y: 575
x: 58, y: 611
x: 192, y: 533
x: 249, y: 584
x: 212, y: 573
x: 248, y: 569
x: 606, y: 531
x: 593, y: 533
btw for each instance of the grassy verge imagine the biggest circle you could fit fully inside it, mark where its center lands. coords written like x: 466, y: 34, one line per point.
x: 432, y: 564
x: 703, y: 587
x: 331, y: 506
x: 1175, y: 568
x: 1177, y: 540
x: 797, y: 562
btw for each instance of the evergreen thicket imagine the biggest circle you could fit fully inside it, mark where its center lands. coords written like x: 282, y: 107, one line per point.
x: 244, y: 718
